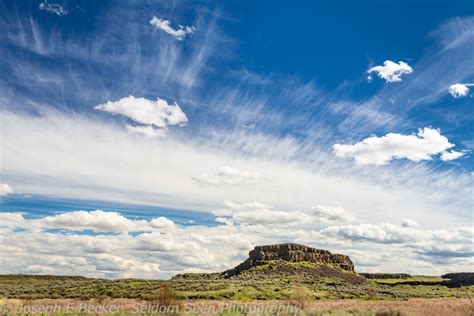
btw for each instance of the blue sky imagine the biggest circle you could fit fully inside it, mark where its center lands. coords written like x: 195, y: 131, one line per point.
x: 199, y: 120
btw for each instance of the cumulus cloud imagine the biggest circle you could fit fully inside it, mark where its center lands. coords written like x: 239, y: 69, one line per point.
x: 101, y: 221
x: 451, y: 155
x: 5, y: 189
x: 254, y: 213
x: 381, y: 233
x: 158, y: 113
x: 155, y: 116
x: 381, y: 150
x: 433, y: 246
x: 230, y: 176
x: 12, y: 220
x: 390, y: 71
x: 164, y: 249
x: 180, y: 33
x: 459, y: 90
x: 257, y: 213
x: 53, y: 8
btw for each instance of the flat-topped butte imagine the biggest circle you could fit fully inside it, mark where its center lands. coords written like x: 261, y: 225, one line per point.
x: 290, y: 252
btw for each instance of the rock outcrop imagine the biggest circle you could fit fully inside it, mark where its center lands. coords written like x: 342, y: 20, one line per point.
x: 292, y: 253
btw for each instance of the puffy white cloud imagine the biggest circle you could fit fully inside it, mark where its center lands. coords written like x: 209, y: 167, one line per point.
x: 12, y: 220
x: 98, y: 220
x: 159, y: 252
x: 435, y: 246
x: 162, y: 222
x: 230, y: 176
x: 381, y: 150
x: 54, y: 8
x: 459, y: 90
x: 158, y: 113
x: 5, y: 189
x: 165, y: 25
x: 451, y: 155
x: 390, y: 71
x: 255, y: 213
x: 101, y: 221
x: 379, y: 233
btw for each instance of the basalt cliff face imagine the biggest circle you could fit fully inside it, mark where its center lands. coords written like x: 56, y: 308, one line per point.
x: 292, y: 253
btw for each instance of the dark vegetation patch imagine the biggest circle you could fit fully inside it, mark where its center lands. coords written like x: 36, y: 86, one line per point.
x: 385, y: 275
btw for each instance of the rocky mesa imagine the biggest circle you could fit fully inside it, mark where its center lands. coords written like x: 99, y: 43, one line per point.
x: 290, y: 252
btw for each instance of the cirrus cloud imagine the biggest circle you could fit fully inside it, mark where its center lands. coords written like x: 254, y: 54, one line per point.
x: 230, y: 176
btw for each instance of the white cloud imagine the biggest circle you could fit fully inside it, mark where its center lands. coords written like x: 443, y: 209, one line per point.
x: 451, y: 155
x: 155, y: 115
x: 147, y: 131
x: 230, y: 176
x: 158, y: 113
x: 459, y: 90
x: 98, y: 220
x: 101, y: 221
x: 329, y: 214
x: 53, y: 8
x: 165, y: 249
x: 178, y: 34
x: 390, y: 71
x: 248, y: 126
x: 12, y: 220
x: 381, y: 150
x: 410, y: 223
x: 380, y: 233
x: 157, y: 171
x: 255, y: 213
x: 5, y: 189
x: 162, y: 222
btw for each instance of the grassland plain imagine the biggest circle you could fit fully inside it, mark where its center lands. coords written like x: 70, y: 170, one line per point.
x: 277, y: 280
x: 275, y: 286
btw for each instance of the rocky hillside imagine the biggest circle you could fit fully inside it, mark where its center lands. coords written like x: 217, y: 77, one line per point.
x: 261, y: 255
